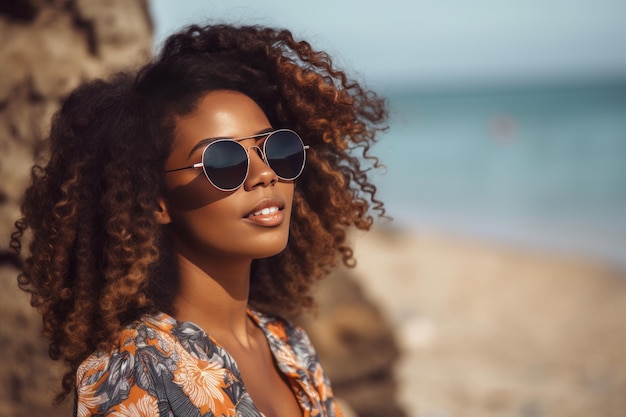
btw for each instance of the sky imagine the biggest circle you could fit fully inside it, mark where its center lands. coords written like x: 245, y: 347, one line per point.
x: 438, y: 42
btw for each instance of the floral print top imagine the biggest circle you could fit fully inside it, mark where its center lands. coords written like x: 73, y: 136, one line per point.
x: 163, y: 367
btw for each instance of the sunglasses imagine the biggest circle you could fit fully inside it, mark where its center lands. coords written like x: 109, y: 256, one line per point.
x: 226, y: 162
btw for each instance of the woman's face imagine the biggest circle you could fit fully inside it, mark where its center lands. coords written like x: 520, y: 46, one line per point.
x: 207, y: 223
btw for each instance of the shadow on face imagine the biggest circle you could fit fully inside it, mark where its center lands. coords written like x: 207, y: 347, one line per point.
x: 197, y: 193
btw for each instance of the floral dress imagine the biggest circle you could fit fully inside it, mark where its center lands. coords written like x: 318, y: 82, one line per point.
x: 163, y: 367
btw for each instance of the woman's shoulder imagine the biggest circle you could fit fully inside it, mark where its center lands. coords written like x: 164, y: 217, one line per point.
x: 150, y: 334
x: 156, y: 360
x: 143, y: 352
x: 160, y: 340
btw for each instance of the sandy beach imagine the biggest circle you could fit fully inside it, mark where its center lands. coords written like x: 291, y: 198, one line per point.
x: 489, y: 330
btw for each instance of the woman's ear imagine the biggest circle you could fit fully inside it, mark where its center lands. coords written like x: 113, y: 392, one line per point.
x: 161, y: 213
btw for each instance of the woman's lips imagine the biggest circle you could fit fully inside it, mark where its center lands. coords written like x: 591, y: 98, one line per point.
x: 271, y: 216
x: 267, y: 213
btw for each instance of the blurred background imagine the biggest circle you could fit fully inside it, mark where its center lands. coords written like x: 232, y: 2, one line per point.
x: 502, y: 277
x: 508, y: 120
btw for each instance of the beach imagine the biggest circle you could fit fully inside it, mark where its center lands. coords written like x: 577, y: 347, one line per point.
x: 492, y: 330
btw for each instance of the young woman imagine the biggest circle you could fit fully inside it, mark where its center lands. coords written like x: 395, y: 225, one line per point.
x: 184, y: 210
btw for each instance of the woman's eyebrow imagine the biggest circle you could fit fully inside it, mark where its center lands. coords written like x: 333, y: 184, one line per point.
x: 202, y: 143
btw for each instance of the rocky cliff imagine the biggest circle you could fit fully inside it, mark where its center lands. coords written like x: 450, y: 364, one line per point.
x: 47, y: 48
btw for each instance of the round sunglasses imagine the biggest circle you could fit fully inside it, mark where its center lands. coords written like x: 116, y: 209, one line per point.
x: 226, y: 162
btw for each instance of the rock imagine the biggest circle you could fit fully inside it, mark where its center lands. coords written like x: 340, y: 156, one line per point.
x: 28, y: 377
x: 356, y: 346
x: 53, y: 47
x: 48, y: 48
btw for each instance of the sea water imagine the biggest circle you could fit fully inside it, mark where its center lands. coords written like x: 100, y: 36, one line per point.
x: 544, y: 167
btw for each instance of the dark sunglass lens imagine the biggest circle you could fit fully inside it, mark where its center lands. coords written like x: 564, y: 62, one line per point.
x: 285, y: 154
x: 226, y: 164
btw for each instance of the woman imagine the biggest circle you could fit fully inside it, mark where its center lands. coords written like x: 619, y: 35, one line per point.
x: 184, y: 210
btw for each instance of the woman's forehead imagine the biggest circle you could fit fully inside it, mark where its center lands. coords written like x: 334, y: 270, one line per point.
x: 221, y: 114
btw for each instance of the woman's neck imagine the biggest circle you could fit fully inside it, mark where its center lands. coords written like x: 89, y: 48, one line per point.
x: 214, y: 296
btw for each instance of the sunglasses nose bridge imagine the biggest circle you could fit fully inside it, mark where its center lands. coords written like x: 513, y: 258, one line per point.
x: 259, y: 172
x: 259, y: 153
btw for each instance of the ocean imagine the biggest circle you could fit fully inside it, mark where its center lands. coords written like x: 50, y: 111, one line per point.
x: 543, y: 167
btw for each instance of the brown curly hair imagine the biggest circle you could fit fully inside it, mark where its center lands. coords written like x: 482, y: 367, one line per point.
x: 98, y: 258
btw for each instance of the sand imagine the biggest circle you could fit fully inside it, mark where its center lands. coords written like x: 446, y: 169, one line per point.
x: 489, y: 330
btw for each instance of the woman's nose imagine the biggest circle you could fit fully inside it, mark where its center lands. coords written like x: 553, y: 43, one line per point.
x: 259, y: 173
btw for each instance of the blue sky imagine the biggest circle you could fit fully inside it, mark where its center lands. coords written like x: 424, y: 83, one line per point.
x: 438, y: 42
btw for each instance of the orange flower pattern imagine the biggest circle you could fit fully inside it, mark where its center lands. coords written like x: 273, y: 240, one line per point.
x: 162, y: 367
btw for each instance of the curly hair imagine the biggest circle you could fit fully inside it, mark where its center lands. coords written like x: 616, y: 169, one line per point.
x: 98, y: 259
